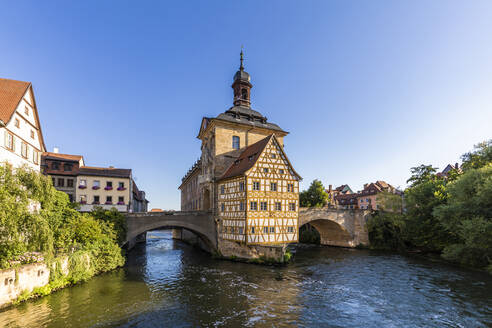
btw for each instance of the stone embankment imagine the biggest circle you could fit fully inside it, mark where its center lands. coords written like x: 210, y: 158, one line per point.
x: 21, y: 281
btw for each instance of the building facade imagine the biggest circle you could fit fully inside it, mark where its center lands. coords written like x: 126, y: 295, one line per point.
x: 333, y: 193
x: 259, y: 196
x: 63, y: 170
x: 21, y: 139
x: 139, y: 202
x: 368, y: 198
x: 229, y: 139
x: 104, y: 187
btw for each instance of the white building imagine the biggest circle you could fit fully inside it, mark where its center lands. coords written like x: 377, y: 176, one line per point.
x: 21, y: 140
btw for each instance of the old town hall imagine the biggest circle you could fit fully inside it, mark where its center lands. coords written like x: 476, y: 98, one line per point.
x: 244, y: 176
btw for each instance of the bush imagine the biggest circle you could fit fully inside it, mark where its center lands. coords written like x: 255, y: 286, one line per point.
x: 385, y: 230
x: 57, y: 227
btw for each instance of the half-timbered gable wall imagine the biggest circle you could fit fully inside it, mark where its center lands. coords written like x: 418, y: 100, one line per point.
x: 232, y: 208
x: 278, y: 184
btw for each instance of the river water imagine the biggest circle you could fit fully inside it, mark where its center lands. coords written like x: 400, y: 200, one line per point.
x: 169, y: 284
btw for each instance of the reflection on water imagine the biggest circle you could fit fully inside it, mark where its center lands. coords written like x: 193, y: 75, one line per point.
x: 167, y: 283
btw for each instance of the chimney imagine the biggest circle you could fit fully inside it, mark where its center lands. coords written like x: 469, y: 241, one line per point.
x: 456, y: 166
x: 329, y: 188
x: 56, y: 150
x: 365, y: 185
x: 111, y: 167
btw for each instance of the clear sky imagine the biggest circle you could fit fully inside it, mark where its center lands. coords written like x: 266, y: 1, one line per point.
x: 367, y: 89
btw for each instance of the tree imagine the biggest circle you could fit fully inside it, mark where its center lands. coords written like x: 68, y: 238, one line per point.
x: 385, y: 231
x: 467, y: 217
x: 427, y: 190
x: 421, y: 174
x: 314, y: 196
x: 480, y: 157
x: 390, y: 202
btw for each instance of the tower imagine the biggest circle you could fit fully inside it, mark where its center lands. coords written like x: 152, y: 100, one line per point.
x: 242, y: 86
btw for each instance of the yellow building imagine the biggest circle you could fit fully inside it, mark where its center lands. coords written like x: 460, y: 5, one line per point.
x: 105, y: 187
x: 259, y: 196
x: 243, y: 137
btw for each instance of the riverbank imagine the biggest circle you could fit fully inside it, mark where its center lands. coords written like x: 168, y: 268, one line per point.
x: 28, y: 281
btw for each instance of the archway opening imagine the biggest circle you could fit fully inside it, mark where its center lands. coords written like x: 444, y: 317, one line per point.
x: 309, y: 235
x: 330, y: 233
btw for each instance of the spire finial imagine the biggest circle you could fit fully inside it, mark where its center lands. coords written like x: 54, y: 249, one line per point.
x: 241, y: 67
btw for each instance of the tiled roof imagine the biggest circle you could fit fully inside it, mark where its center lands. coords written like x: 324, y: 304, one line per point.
x: 64, y: 157
x: 346, y: 198
x: 247, y: 159
x: 11, y: 93
x: 105, y: 172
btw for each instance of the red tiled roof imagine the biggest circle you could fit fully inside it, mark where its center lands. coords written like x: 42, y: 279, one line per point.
x: 105, y: 172
x: 247, y: 159
x: 11, y: 93
x: 346, y: 198
x: 65, y: 157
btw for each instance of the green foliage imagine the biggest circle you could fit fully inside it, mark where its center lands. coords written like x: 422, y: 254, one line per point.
x: 287, y: 256
x: 421, y: 174
x: 422, y: 229
x: 390, y: 202
x: 480, y: 157
x: 314, y: 196
x: 451, y: 215
x: 385, y: 230
x: 467, y: 216
x: 57, y: 227
x: 117, y: 219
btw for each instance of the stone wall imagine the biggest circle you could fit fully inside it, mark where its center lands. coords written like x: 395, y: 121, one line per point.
x: 15, y: 281
x: 230, y: 249
x: 191, y: 239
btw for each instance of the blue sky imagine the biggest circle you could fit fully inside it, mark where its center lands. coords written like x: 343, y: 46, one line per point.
x: 367, y: 89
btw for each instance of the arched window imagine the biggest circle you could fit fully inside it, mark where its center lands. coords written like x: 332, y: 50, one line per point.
x: 244, y: 94
x: 235, y: 142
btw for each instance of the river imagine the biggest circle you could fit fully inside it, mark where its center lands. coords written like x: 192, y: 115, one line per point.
x: 169, y: 284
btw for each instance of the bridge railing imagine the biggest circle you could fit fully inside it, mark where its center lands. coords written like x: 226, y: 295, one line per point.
x: 165, y: 213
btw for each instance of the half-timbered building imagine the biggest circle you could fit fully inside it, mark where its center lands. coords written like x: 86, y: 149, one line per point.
x: 243, y: 175
x: 259, y: 196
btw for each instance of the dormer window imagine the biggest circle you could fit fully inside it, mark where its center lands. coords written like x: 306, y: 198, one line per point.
x: 235, y: 142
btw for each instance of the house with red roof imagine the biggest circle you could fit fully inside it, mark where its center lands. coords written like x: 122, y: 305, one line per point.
x: 21, y: 138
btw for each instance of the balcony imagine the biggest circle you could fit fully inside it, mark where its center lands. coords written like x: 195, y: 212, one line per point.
x: 121, y: 188
x: 96, y: 188
x: 108, y: 188
x: 82, y: 187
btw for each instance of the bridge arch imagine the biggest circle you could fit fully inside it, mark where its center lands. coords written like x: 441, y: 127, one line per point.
x: 331, y: 233
x: 200, y: 223
x: 337, y: 227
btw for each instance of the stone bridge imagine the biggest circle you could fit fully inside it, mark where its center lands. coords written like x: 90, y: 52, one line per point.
x: 346, y: 228
x: 337, y: 227
x: 201, y: 223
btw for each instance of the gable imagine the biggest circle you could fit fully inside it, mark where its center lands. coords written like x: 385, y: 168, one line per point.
x: 11, y: 94
x: 274, y: 159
